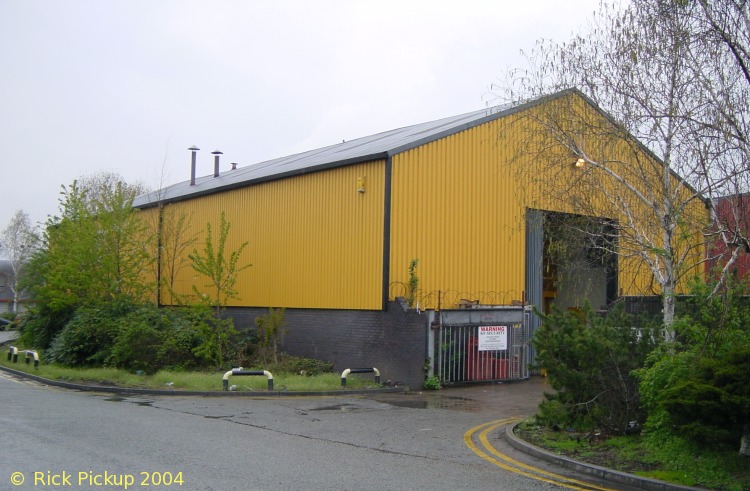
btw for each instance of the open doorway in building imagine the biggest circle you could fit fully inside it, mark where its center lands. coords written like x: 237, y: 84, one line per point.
x: 579, y: 265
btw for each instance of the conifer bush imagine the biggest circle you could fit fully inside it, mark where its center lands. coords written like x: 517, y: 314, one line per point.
x: 589, y: 360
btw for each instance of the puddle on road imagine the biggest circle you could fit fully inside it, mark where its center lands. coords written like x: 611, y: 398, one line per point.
x: 338, y: 407
x: 125, y: 399
x: 424, y: 401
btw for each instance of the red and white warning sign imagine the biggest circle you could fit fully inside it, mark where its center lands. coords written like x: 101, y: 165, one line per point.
x: 492, y: 338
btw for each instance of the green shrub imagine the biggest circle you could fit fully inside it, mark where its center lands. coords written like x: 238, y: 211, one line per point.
x: 86, y: 340
x: 133, y: 336
x: 704, y: 399
x: 589, y: 361
x: 697, y: 388
x: 138, y: 348
x: 432, y: 383
x: 153, y: 339
x: 214, y: 348
x: 270, y: 333
x: 41, y: 325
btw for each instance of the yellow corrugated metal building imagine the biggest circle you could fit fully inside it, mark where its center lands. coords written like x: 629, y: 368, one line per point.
x: 335, y: 229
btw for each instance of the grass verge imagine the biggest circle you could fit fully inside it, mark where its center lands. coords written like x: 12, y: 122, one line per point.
x: 194, y: 381
x: 671, y: 460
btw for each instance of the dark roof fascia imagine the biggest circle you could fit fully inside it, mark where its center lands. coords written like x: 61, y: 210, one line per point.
x: 478, y: 122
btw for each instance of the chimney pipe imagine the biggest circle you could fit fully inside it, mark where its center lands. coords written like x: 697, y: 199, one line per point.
x: 192, y: 149
x: 216, y: 154
x: 234, y: 165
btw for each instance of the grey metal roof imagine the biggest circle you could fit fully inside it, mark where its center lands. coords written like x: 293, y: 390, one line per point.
x: 364, y: 149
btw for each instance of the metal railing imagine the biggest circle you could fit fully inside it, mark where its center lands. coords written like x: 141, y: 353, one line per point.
x: 461, y: 356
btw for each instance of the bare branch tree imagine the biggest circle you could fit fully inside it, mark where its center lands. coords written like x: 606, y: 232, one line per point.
x: 673, y: 77
x: 18, y: 242
x: 176, y: 241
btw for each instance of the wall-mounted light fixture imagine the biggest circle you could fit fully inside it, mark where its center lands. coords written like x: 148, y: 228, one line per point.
x: 361, y: 184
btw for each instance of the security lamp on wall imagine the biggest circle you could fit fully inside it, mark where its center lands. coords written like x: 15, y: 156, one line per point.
x: 361, y: 184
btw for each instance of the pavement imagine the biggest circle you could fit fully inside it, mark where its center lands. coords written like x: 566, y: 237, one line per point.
x: 489, y: 401
x: 519, y: 399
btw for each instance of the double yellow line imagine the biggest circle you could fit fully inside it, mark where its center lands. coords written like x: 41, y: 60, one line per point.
x: 484, y: 449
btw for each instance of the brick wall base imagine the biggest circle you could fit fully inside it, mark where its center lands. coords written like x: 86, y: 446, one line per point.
x: 394, y: 341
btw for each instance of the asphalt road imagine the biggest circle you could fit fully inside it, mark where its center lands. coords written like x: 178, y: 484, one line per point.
x: 60, y: 439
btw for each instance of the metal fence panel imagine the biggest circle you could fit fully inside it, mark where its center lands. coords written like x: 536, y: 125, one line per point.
x: 458, y: 358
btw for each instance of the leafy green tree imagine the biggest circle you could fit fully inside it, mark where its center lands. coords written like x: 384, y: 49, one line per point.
x: 61, y: 275
x: 94, y: 251
x: 123, y: 239
x: 221, y: 268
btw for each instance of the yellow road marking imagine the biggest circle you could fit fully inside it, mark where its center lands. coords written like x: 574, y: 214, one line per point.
x: 505, y: 462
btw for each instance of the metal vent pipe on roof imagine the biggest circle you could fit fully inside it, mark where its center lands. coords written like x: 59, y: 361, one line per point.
x: 192, y: 149
x: 216, y: 154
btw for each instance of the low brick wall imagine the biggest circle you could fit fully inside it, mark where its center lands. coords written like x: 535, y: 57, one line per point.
x: 394, y: 341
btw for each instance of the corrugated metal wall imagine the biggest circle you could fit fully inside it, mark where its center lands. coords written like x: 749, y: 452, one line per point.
x: 314, y: 241
x: 534, y: 271
x: 457, y: 204
x: 459, y: 208
x: 455, y: 209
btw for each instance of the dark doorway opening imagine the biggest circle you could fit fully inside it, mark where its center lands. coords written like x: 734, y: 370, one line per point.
x: 579, y: 261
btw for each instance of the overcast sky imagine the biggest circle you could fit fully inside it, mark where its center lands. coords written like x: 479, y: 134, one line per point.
x: 129, y: 85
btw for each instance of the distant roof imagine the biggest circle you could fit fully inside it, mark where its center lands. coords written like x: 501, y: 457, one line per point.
x: 364, y: 149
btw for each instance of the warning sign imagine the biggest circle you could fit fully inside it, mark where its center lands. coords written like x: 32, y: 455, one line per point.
x: 492, y: 338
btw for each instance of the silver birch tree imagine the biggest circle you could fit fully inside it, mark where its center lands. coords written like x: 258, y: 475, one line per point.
x: 18, y: 242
